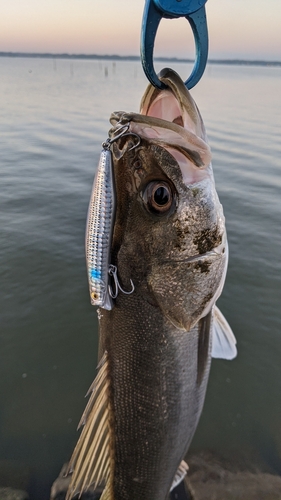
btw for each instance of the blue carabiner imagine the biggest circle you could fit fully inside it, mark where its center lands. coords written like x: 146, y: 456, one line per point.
x: 194, y: 12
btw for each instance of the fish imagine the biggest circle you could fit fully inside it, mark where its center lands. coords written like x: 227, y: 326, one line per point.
x: 158, y: 332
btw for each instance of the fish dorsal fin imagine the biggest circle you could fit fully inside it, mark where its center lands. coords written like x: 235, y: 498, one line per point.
x: 224, y: 342
x: 180, y: 474
x: 90, y: 461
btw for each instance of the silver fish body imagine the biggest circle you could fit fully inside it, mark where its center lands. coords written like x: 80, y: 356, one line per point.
x: 169, y: 239
x: 157, y: 397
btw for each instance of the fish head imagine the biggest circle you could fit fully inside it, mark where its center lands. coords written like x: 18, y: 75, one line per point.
x: 169, y: 235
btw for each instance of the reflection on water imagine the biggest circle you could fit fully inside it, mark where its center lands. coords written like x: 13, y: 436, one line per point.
x: 54, y: 118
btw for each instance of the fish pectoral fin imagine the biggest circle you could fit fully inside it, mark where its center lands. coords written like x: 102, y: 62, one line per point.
x: 180, y: 474
x: 90, y: 461
x: 224, y: 341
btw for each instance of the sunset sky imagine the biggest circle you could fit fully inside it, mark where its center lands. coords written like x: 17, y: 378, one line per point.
x: 247, y: 29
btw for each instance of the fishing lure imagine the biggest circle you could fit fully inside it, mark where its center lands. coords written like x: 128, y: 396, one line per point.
x: 99, y: 229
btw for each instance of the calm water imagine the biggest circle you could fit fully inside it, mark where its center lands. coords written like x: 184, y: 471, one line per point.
x: 54, y: 116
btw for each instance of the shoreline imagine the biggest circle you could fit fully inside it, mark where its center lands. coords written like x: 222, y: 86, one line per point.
x: 210, y: 476
x: 115, y: 57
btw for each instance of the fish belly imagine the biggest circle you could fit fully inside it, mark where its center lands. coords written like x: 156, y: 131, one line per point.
x: 155, y: 396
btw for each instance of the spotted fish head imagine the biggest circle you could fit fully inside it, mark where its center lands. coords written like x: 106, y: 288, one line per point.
x: 169, y: 235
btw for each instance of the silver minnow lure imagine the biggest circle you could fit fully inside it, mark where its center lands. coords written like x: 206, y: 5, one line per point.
x: 100, y: 222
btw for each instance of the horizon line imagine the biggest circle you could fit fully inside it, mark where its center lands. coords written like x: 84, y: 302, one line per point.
x: 114, y: 57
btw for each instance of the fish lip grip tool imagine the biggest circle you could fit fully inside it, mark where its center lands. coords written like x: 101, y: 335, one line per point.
x: 194, y: 12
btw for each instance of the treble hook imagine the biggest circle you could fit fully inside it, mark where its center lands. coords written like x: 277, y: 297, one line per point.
x: 112, y: 271
x: 194, y: 12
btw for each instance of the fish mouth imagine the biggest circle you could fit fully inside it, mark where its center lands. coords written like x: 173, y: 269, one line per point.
x: 170, y: 118
x: 174, y: 104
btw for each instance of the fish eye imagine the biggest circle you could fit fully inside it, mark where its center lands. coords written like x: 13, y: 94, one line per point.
x: 158, y: 197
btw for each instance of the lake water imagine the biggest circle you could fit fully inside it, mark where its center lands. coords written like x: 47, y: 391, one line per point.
x: 54, y: 116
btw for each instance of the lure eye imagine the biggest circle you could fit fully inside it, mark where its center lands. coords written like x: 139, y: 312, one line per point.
x: 158, y: 197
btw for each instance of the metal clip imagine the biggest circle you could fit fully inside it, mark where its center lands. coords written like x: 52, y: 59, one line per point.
x: 194, y: 12
x: 121, y: 131
x: 112, y: 271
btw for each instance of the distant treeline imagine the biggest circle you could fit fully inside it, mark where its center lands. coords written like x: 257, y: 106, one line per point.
x: 115, y: 57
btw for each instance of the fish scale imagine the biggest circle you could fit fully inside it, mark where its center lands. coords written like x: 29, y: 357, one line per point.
x: 155, y: 396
